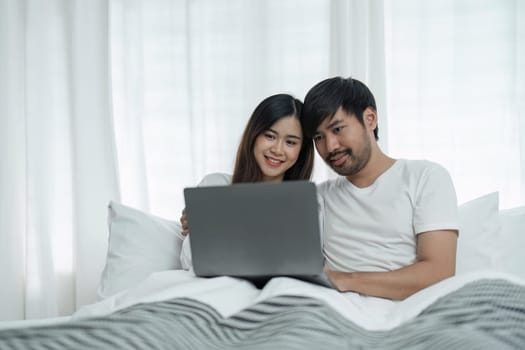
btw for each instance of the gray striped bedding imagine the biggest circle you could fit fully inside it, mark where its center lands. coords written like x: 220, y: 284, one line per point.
x: 486, y: 314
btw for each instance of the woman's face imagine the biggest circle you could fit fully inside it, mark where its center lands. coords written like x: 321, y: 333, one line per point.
x: 276, y: 150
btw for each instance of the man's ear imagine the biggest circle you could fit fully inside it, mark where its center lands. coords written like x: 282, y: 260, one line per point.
x: 370, y: 118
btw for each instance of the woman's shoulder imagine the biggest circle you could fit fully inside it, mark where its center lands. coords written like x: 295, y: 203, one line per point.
x: 216, y: 179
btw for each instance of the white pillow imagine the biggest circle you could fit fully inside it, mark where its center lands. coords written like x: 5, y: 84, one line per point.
x: 479, y: 234
x: 513, y: 241
x: 139, y: 244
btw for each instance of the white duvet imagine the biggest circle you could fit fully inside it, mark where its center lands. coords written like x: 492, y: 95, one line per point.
x: 229, y: 295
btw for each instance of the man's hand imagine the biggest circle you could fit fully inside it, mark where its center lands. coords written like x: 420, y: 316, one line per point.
x: 184, y: 223
x: 337, y: 278
x: 436, y: 260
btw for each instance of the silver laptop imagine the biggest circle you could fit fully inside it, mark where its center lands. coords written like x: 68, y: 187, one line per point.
x: 256, y: 231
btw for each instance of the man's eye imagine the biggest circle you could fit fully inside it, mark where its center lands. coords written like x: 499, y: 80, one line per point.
x: 318, y: 138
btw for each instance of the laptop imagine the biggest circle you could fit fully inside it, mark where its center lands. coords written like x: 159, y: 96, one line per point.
x: 256, y: 231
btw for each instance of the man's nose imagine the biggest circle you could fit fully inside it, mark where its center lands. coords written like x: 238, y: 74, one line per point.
x: 332, y: 143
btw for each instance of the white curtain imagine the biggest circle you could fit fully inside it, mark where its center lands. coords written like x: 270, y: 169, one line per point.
x: 134, y: 100
x: 456, y: 91
x: 187, y: 74
x: 56, y: 154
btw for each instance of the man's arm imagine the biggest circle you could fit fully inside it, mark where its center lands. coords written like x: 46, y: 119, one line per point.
x: 436, y: 260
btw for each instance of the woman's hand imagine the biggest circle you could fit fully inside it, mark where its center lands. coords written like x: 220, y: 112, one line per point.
x: 184, y: 223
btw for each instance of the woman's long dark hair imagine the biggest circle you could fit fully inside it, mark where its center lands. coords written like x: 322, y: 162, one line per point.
x: 269, y: 111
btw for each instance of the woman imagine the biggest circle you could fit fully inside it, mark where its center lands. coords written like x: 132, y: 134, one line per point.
x: 273, y: 148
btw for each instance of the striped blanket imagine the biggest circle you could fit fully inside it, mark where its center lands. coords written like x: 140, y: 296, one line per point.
x: 486, y: 314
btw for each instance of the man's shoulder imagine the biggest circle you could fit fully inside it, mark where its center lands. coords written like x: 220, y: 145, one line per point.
x: 423, y: 175
x: 420, y: 167
x: 331, y: 184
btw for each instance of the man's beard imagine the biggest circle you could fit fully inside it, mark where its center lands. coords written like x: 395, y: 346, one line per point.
x: 357, y: 161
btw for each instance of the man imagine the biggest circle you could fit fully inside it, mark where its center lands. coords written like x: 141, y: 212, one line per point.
x: 390, y: 226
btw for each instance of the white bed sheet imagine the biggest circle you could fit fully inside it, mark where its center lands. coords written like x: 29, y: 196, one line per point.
x: 35, y: 322
x: 229, y: 295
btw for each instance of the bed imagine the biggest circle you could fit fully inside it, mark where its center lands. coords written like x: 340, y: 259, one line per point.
x: 147, y: 301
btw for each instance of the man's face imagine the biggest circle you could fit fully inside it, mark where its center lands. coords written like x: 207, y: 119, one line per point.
x: 343, y: 143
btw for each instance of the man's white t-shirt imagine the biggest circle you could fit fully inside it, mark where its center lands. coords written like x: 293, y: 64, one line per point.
x: 375, y: 228
x: 215, y: 179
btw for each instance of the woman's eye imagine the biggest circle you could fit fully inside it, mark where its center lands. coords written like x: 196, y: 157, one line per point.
x: 269, y: 136
x: 291, y: 143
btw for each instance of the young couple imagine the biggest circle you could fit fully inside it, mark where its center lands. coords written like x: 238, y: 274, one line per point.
x: 390, y: 225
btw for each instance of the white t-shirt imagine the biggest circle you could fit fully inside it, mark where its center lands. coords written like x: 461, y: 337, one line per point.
x: 215, y: 179
x: 375, y: 228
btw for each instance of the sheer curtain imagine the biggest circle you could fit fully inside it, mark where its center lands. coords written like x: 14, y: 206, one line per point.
x: 56, y: 155
x: 187, y: 75
x: 456, y: 88
x: 134, y: 100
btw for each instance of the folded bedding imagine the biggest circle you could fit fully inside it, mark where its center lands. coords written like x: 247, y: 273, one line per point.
x: 473, y: 313
x: 34, y: 322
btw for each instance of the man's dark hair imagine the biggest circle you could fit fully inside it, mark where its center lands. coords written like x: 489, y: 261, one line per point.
x: 325, y: 98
